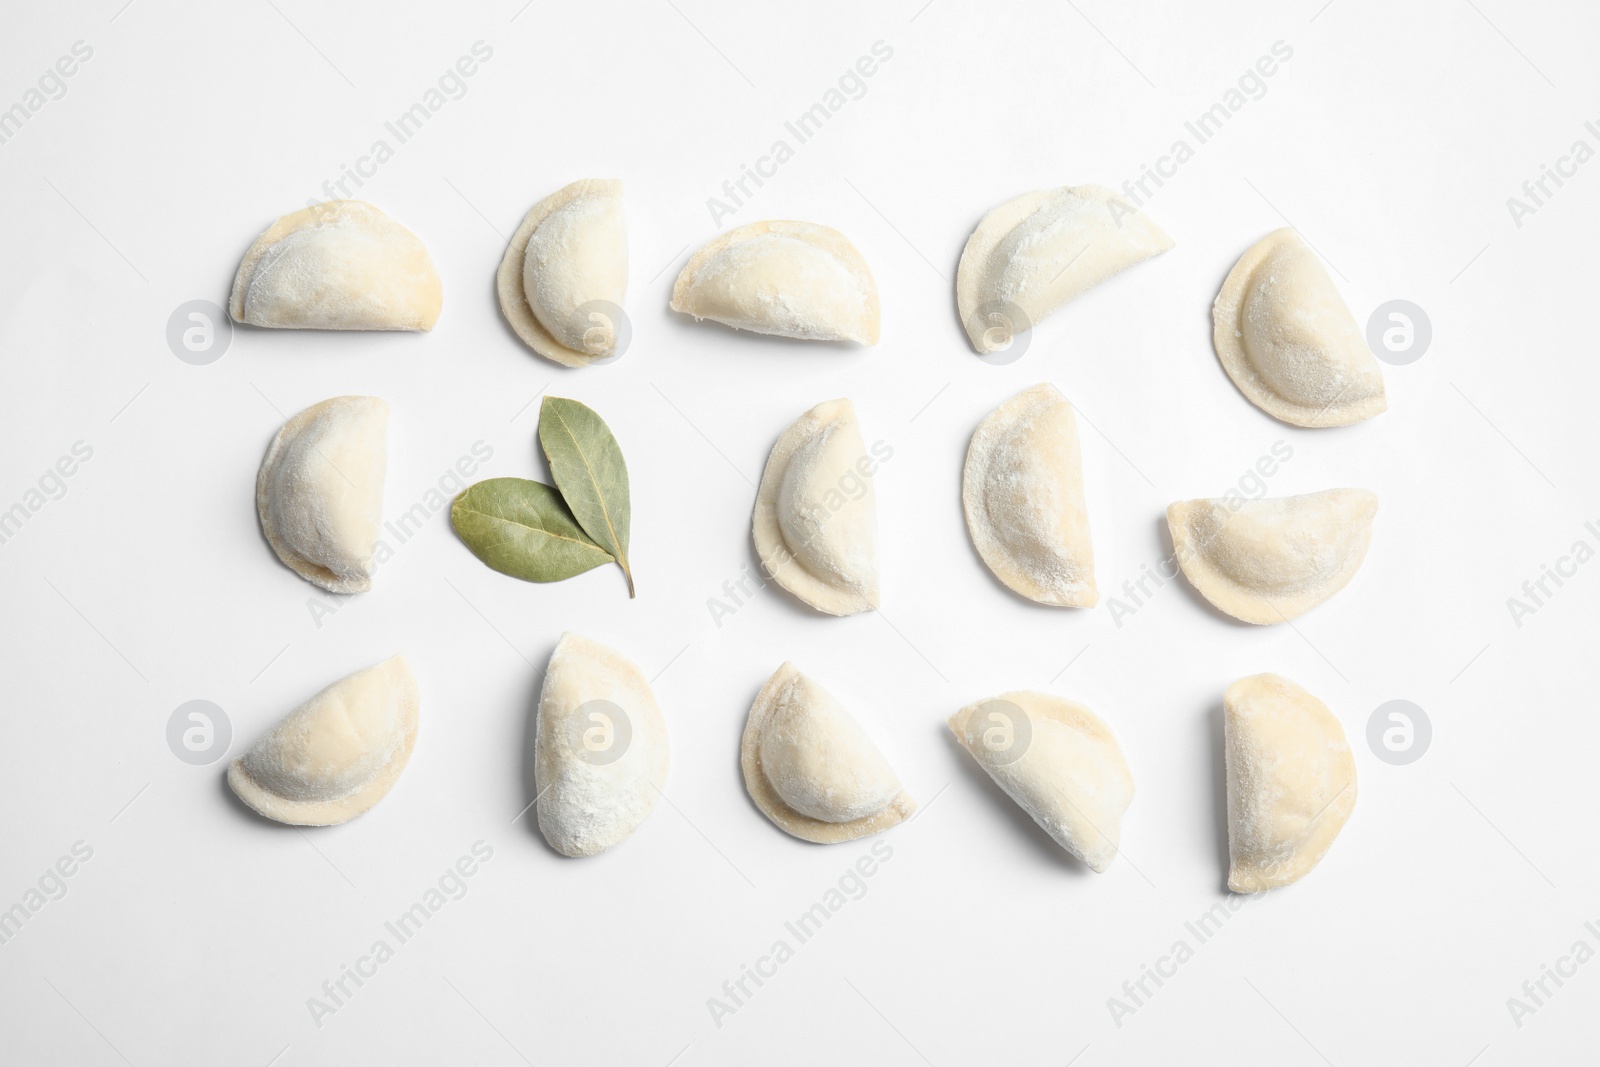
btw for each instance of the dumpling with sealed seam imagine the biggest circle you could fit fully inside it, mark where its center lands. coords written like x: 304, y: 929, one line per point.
x: 320, y: 491
x: 1291, y: 781
x: 812, y: 769
x: 1059, y: 762
x: 1286, y: 338
x: 816, y: 514
x: 336, y: 755
x: 1037, y: 251
x: 564, y: 277
x: 600, y: 748
x: 340, y: 265
x: 1266, y: 561
x: 788, y: 279
x: 1022, y: 490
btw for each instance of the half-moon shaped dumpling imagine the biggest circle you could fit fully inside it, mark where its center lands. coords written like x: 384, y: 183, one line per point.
x: 336, y: 755
x: 320, y: 491
x: 789, y: 279
x: 1023, y: 494
x: 812, y: 769
x: 1266, y: 561
x: 1286, y: 338
x: 1059, y: 762
x: 600, y: 748
x: 1291, y: 781
x: 341, y: 265
x: 564, y: 277
x: 1039, y: 250
x: 816, y: 519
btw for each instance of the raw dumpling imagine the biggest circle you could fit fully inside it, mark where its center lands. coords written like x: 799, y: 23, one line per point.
x: 816, y: 519
x: 789, y: 279
x: 1288, y: 341
x: 564, y: 277
x: 1037, y: 251
x: 320, y: 491
x: 812, y: 769
x: 1023, y: 494
x: 1266, y: 561
x: 1291, y: 781
x: 340, y: 265
x: 336, y: 755
x: 1059, y: 762
x: 600, y: 748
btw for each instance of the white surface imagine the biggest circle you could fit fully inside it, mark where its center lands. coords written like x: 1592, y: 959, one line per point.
x: 197, y: 932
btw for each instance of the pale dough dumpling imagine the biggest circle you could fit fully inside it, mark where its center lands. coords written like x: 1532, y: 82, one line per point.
x: 1039, y: 250
x: 812, y: 769
x: 789, y: 279
x: 570, y: 252
x: 1023, y: 494
x: 1266, y: 561
x: 600, y: 749
x: 1291, y: 781
x: 336, y: 755
x: 320, y: 491
x: 1059, y: 762
x: 340, y: 265
x: 816, y: 516
x: 1286, y: 338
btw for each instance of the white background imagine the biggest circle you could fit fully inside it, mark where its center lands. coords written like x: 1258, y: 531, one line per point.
x: 1391, y: 139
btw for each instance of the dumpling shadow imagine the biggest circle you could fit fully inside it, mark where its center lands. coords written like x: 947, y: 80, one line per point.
x: 1170, y: 552
x: 1021, y: 822
x: 530, y: 778
x: 1216, y: 745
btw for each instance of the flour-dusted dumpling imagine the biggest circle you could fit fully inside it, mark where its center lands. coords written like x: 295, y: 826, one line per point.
x: 1291, y: 781
x: 1266, y: 561
x: 790, y: 279
x: 1039, y: 250
x: 336, y: 755
x: 1059, y: 762
x: 812, y: 769
x: 600, y: 749
x: 320, y: 491
x: 564, y: 277
x: 1286, y: 338
x: 816, y: 517
x: 1023, y: 494
x: 340, y: 265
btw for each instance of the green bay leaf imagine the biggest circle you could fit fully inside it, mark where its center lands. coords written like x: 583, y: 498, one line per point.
x: 588, y: 468
x: 524, y: 529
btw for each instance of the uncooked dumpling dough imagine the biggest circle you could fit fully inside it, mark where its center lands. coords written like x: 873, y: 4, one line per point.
x: 1039, y: 250
x: 1286, y: 338
x: 340, y: 265
x: 812, y: 769
x: 816, y: 517
x: 320, y: 491
x: 789, y: 279
x: 600, y: 749
x: 336, y: 755
x: 1266, y: 561
x: 1059, y: 762
x: 564, y: 277
x: 1023, y: 494
x: 1291, y: 781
